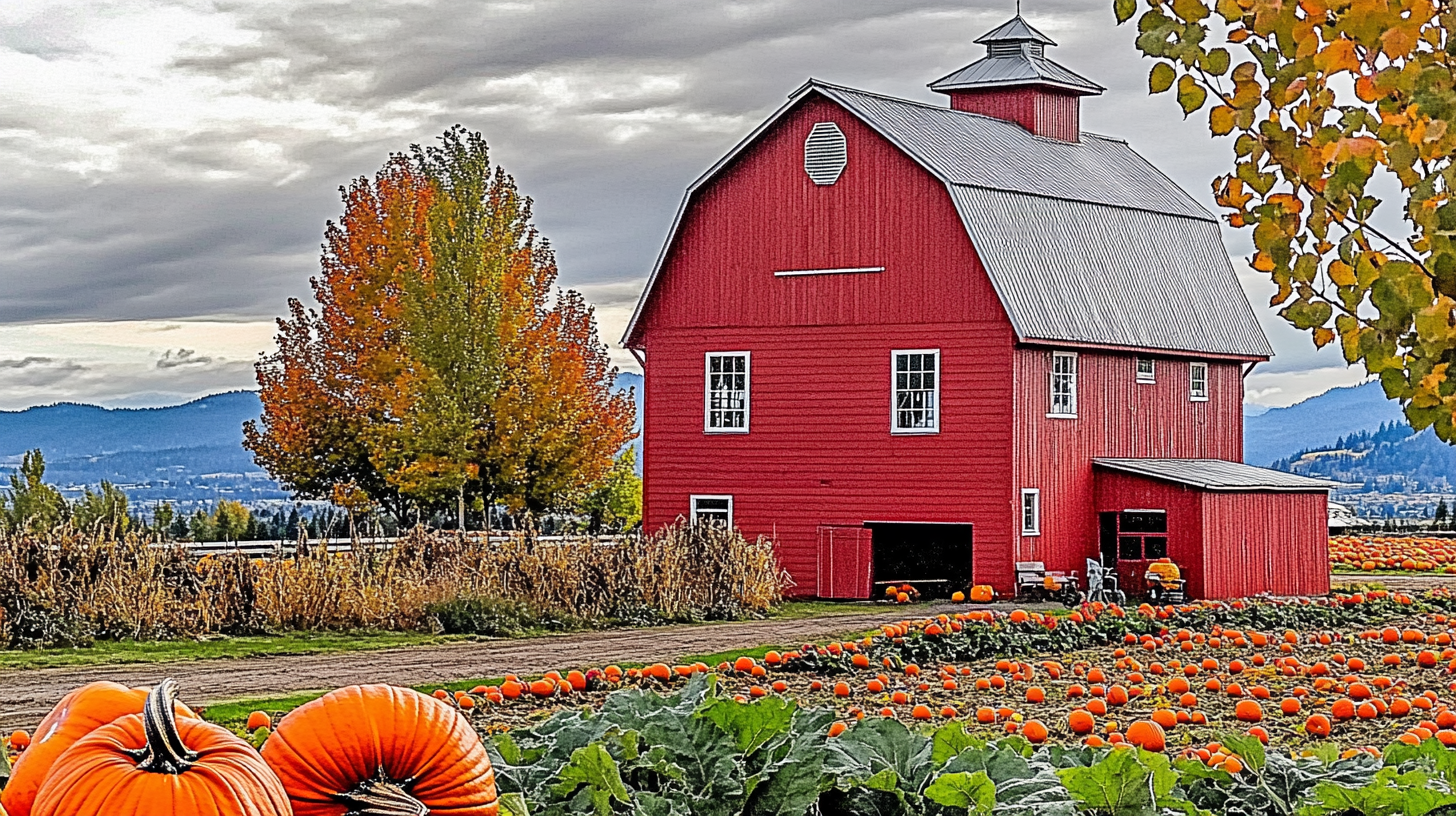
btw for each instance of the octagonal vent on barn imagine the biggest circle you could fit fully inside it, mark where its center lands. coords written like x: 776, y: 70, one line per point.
x: 825, y: 153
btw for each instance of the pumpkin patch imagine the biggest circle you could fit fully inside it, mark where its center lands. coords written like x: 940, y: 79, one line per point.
x: 1393, y: 554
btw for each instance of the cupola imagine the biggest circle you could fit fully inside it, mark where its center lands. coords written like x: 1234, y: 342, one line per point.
x: 1015, y: 81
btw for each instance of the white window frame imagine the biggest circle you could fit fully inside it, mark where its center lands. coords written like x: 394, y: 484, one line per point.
x: 895, y: 428
x: 1151, y: 376
x: 693, y: 506
x: 1194, y: 394
x: 708, y: 391
x: 1052, y: 374
x: 1034, y: 494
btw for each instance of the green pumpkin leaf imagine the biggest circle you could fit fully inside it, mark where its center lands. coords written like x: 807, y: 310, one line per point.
x: 751, y: 725
x: 513, y: 804
x: 972, y: 791
x: 593, y: 769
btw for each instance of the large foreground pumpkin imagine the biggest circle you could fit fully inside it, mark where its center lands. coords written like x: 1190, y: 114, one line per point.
x: 152, y: 764
x: 76, y: 715
x: 379, y: 751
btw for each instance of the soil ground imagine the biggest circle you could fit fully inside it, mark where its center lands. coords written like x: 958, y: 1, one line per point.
x: 26, y: 696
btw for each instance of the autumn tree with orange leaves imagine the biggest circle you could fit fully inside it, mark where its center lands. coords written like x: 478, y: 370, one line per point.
x: 1332, y: 104
x: 440, y: 364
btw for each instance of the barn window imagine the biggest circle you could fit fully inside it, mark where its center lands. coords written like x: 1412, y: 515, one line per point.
x: 1198, y: 382
x: 725, y: 399
x: 915, y: 392
x: 1064, y: 385
x: 1142, y: 535
x: 1145, y: 371
x: 713, y: 510
x: 825, y: 153
x: 1030, y: 511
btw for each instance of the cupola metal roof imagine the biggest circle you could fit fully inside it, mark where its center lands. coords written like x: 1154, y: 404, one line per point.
x: 1017, y: 29
x: 1016, y: 55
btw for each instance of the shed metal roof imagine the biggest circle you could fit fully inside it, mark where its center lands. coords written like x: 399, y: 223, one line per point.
x: 1217, y: 475
x: 1085, y: 242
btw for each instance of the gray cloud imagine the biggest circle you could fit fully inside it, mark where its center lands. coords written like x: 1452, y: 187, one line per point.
x: 36, y: 372
x: 214, y: 202
x: 182, y: 357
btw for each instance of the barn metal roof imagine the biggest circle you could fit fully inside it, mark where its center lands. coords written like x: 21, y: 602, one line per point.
x: 1217, y: 475
x: 983, y: 151
x: 1070, y: 271
x: 1085, y: 242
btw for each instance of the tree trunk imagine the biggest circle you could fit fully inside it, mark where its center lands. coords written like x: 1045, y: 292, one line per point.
x: 462, y: 509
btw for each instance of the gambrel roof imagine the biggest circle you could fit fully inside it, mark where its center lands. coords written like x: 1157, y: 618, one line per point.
x: 1085, y: 242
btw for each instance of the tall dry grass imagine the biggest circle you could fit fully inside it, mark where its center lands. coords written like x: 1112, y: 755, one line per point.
x: 68, y: 588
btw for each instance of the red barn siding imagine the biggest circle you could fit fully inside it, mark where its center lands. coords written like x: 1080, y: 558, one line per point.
x: 1041, y: 111
x: 1265, y: 542
x: 819, y: 451
x: 763, y: 214
x: 1117, y: 417
x: 1116, y: 492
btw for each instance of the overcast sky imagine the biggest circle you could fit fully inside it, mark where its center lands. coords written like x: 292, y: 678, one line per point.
x: 169, y: 164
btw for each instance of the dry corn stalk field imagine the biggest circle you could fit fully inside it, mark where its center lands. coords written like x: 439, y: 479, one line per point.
x: 69, y: 588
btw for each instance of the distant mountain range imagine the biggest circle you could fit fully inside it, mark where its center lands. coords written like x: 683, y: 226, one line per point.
x: 189, y: 454
x: 1279, y: 433
x: 193, y: 453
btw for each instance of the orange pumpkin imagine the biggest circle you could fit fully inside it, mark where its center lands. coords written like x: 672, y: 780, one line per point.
x: 982, y: 593
x: 76, y: 715
x: 1147, y: 735
x: 153, y: 763
x: 381, y: 744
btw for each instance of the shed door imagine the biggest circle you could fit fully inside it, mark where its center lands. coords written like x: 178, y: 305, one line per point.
x: 844, y: 562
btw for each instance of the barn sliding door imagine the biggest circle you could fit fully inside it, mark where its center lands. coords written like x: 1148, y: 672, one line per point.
x: 845, y: 555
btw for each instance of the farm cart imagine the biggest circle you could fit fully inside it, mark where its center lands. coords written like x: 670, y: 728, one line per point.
x: 1035, y: 583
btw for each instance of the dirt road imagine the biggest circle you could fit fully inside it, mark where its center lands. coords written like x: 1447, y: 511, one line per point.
x: 25, y: 696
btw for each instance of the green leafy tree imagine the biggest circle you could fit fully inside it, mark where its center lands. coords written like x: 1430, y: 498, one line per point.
x: 1329, y: 103
x: 200, y: 527
x: 103, y: 511
x: 162, y: 517
x: 32, y: 505
x: 616, y: 503
x: 230, y: 521
x: 442, y: 370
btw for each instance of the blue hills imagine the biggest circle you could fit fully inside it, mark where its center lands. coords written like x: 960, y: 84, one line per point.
x: 1317, y: 422
x: 188, y: 454
x: 193, y: 453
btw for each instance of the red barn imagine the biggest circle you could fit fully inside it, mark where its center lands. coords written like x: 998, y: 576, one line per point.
x: 921, y: 342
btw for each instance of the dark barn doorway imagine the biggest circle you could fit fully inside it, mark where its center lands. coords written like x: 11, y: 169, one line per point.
x: 935, y: 558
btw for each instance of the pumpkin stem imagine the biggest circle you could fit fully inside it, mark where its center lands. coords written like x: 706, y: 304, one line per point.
x: 382, y: 796
x: 164, y: 751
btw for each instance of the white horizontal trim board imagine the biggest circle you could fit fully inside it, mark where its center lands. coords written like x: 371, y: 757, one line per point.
x: 848, y: 270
